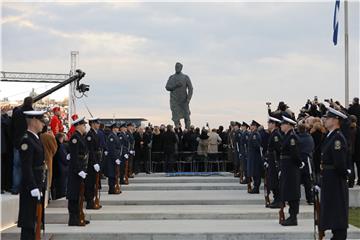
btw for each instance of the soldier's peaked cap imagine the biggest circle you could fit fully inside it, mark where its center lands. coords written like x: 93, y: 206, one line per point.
x: 333, y: 113
x: 79, y: 121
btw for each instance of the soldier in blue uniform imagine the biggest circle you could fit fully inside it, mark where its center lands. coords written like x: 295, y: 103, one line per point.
x: 131, y: 140
x: 237, y: 146
x: 255, y: 163
x: 79, y: 155
x: 95, y: 153
x: 290, y: 165
x: 112, y: 156
x: 124, y: 153
x: 33, y: 173
x: 272, y: 161
x: 244, y: 150
x: 334, y: 203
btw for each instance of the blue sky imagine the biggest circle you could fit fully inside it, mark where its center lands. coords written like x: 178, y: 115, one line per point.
x: 238, y: 55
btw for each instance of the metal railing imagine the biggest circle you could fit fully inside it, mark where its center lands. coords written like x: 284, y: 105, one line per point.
x: 190, y: 161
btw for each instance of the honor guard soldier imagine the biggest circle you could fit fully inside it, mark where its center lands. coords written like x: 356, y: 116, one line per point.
x: 272, y: 161
x: 237, y: 149
x: 95, y: 153
x: 244, y: 150
x: 334, y: 203
x: 131, y: 140
x: 124, y: 154
x: 113, y: 158
x: 77, y: 173
x: 290, y: 165
x: 255, y: 163
x: 33, y: 174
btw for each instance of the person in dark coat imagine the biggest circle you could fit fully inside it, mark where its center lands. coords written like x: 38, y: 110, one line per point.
x: 170, y: 140
x: 353, y: 134
x: 290, y: 166
x: 224, y: 142
x: 33, y: 173
x: 112, y: 157
x: 61, y: 163
x: 334, y: 172
x: 79, y: 155
x: 93, y: 144
x: 318, y: 133
x: 147, y: 149
x: 18, y: 128
x: 6, y: 152
x: 354, y: 109
x: 306, y: 148
x: 139, y: 149
x: 157, y: 146
x: 272, y: 162
x: 356, y: 154
x: 255, y: 163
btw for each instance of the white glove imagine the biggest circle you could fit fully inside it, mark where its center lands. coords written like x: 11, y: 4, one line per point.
x: 266, y: 165
x: 302, y: 165
x: 106, y: 153
x: 97, y: 167
x: 132, y: 152
x: 126, y: 156
x: 35, y: 193
x: 117, y: 161
x: 279, y: 174
x: 317, y: 188
x: 68, y: 157
x: 82, y: 174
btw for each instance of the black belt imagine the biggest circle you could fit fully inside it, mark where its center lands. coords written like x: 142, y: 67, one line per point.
x: 284, y: 157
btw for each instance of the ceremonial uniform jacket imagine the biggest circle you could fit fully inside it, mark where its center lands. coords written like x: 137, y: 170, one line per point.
x: 33, y: 176
x: 79, y: 155
x: 334, y: 189
x: 290, y: 164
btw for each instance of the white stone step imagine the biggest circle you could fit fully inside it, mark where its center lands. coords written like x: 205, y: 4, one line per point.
x: 185, y: 179
x: 186, y: 197
x: 179, y: 186
x: 9, y: 209
x: 181, y: 230
x: 158, y: 212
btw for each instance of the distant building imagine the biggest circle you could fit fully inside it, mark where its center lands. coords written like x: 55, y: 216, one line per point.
x: 136, y: 121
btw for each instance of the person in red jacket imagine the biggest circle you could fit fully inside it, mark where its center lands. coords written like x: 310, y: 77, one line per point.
x: 72, y: 128
x: 56, y: 124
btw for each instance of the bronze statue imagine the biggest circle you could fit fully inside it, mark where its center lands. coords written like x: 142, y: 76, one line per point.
x: 181, y: 90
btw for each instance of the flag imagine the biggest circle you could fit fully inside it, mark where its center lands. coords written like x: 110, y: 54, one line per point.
x: 336, y: 21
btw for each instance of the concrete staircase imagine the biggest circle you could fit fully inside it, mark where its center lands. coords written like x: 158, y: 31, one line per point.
x: 155, y: 207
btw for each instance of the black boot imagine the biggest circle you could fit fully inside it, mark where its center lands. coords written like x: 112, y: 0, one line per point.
x: 275, y: 204
x: 254, y: 191
x: 290, y: 221
x: 90, y: 205
x: 74, y: 221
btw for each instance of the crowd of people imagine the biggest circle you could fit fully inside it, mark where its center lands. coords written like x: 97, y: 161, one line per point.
x: 288, y: 152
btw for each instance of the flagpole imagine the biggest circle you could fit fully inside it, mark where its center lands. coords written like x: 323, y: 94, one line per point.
x: 346, y: 30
